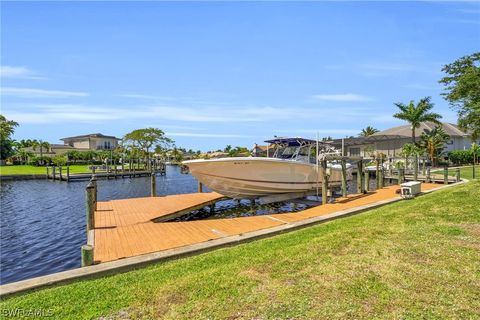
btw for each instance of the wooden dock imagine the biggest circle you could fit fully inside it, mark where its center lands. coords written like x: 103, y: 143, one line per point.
x: 434, y: 178
x: 127, y: 228
x: 63, y: 173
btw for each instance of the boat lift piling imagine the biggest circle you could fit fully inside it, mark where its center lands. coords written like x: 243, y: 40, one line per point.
x: 324, y: 182
x: 153, y: 184
x: 360, y: 177
x: 344, y: 177
x: 367, y: 179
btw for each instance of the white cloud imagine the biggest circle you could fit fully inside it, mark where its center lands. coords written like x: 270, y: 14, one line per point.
x: 473, y: 11
x: 467, y: 21
x: 207, y: 135
x: 331, y: 131
x: 345, y: 97
x: 39, y: 93
x: 419, y: 86
x: 144, y: 96
x: 78, y: 113
x: 381, y: 69
x: 17, y: 72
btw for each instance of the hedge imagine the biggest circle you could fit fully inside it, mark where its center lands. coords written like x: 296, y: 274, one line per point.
x: 462, y: 156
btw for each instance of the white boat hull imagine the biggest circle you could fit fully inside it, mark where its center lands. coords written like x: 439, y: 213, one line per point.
x: 255, y: 177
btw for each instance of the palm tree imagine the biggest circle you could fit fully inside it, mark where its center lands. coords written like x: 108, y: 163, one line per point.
x: 433, y: 142
x: 24, y: 155
x: 368, y: 131
x: 416, y: 114
x: 40, y: 144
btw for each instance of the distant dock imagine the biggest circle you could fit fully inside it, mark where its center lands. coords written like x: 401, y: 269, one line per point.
x: 63, y: 173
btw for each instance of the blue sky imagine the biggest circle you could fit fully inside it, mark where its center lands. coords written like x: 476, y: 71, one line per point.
x: 216, y: 73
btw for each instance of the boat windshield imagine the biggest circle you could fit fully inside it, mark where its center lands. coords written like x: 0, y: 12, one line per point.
x: 299, y: 149
x: 288, y: 152
x: 293, y: 153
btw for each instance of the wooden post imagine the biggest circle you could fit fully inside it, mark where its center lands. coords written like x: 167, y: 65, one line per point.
x: 360, y: 187
x: 95, y: 186
x: 93, y: 169
x: 53, y: 172
x: 153, y: 184
x: 474, y: 161
x: 200, y: 187
x: 423, y: 166
x: 47, y: 171
x: 381, y: 175
x: 428, y: 175
x: 390, y: 168
x: 344, y: 178
x: 87, y: 255
x: 377, y: 174
x: 415, y: 168
x: 324, y: 182
x: 60, y: 170
x: 90, y: 205
x: 68, y: 173
x: 457, y: 175
x: 445, y: 175
x: 367, y: 180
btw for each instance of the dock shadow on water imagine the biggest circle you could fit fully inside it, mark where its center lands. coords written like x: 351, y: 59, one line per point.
x: 244, y: 208
x: 42, y: 223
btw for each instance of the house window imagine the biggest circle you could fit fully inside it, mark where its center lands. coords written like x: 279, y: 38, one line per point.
x: 106, y: 145
x: 354, y: 151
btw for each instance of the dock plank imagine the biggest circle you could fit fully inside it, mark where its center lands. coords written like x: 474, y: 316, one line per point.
x: 125, y: 228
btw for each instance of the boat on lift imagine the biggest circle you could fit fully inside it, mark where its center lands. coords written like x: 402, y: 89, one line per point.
x: 293, y: 168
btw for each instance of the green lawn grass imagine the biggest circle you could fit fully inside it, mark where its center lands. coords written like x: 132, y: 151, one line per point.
x: 465, y: 172
x: 411, y: 259
x: 27, y: 169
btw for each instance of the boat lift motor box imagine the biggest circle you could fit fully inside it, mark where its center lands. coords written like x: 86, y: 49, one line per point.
x: 409, y: 190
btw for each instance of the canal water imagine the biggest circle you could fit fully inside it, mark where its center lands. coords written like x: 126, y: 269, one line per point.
x: 42, y: 223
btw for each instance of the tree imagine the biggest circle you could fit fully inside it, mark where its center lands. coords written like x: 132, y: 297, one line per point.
x: 73, y: 155
x: 24, y: 155
x: 475, y: 150
x: 59, y: 160
x: 239, y: 152
x: 416, y: 114
x: 410, y: 149
x: 433, y: 142
x: 145, y: 139
x: 40, y: 144
x: 7, y: 128
x: 24, y: 143
x: 462, y: 91
x: 368, y: 131
x: 227, y: 148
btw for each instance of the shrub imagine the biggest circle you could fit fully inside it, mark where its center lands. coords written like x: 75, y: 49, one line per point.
x: 59, y: 160
x: 462, y: 156
x: 39, y: 161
